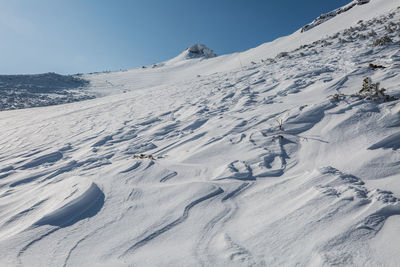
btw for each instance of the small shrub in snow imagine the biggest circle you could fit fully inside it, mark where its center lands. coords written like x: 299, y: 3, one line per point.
x: 367, y: 86
x: 280, y: 124
x: 369, y: 90
x: 336, y: 35
x: 147, y: 156
x: 372, y: 91
x: 391, y: 28
x: 374, y: 66
x: 143, y: 156
x: 361, y: 36
x: 325, y: 43
x: 279, y: 136
x: 282, y: 54
x: 337, y: 97
x: 382, y: 41
x: 372, y: 33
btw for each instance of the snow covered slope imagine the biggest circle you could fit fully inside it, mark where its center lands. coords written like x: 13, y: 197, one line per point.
x: 203, y: 162
x: 167, y: 73
x: 325, y: 17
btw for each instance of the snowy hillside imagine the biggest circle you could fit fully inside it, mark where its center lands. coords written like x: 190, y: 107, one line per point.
x: 325, y: 17
x: 26, y: 91
x: 282, y: 155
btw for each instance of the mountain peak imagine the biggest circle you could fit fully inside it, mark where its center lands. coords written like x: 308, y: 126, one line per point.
x: 198, y: 50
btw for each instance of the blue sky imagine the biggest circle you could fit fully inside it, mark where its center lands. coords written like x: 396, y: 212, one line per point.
x: 71, y: 36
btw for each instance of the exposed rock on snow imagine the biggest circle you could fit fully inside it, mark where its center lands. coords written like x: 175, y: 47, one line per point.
x: 196, y: 51
x: 199, y: 50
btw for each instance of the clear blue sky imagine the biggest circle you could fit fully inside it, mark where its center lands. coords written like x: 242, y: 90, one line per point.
x: 70, y: 36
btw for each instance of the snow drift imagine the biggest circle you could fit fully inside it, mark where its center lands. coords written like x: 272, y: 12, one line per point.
x: 204, y: 162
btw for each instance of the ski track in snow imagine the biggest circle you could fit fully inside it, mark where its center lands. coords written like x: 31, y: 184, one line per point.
x: 251, y: 166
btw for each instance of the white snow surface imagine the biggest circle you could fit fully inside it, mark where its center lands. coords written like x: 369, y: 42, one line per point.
x: 248, y: 159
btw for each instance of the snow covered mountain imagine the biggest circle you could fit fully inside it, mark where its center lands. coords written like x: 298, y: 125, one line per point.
x: 196, y: 51
x: 282, y: 155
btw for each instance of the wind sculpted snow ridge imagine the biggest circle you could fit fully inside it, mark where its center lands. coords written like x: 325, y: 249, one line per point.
x: 278, y: 163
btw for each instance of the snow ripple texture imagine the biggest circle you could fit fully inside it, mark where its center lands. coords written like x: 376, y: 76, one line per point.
x: 199, y: 163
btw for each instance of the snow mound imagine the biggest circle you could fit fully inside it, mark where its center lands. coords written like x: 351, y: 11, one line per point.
x: 325, y: 17
x: 85, y: 206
